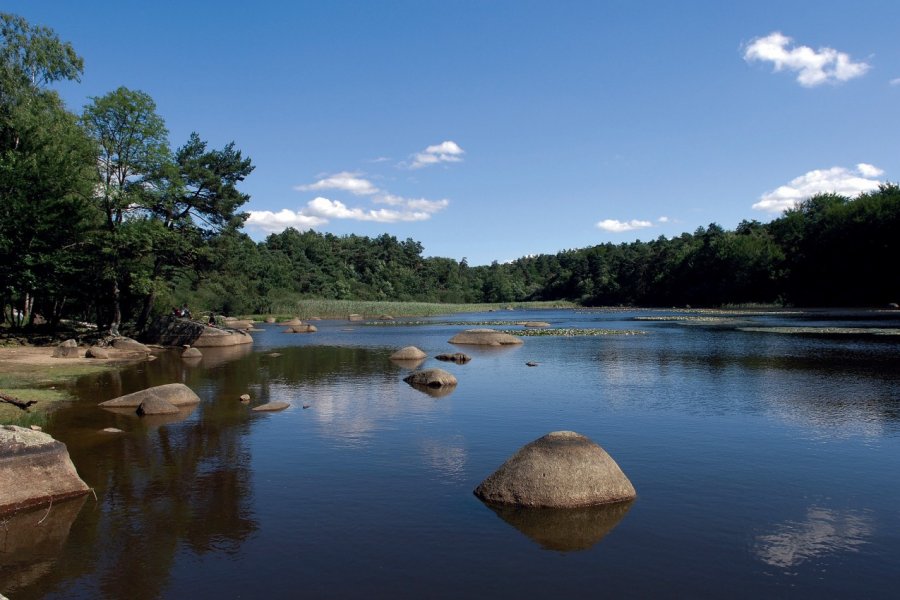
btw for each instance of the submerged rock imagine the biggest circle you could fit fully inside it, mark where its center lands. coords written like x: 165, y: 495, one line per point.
x: 271, y: 406
x: 457, y: 357
x: 535, y: 324
x: 485, y: 337
x: 177, y: 394
x: 408, y: 353
x: 34, y: 469
x: 563, y: 469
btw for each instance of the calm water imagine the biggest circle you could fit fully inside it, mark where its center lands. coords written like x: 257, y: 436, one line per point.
x: 766, y: 465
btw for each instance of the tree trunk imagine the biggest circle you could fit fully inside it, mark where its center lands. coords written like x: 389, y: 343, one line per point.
x: 145, y: 311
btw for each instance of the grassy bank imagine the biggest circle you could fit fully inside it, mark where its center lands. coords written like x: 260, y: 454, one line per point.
x: 340, y: 309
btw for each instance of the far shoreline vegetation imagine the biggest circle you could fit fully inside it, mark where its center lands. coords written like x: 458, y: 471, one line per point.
x: 102, y: 222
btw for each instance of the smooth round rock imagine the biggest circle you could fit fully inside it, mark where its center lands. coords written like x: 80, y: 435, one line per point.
x: 563, y: 469
x: 191, y: 353
x: 408, y: 353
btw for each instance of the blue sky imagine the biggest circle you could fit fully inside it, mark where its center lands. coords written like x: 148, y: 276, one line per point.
x: 497, y: 129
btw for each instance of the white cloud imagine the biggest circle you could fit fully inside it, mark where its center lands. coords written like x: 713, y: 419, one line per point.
x: 895, y: 82
x: 663, y: 219
x: 622, y: 226
x: 837, y: 180
x: 813, y: 67
x: 345, y: 181
x: 445, y: 152
x: 320, y: 211
x: 271, y: 222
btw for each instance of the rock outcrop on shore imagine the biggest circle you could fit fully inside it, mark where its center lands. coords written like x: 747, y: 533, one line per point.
x: 563, y: 469
x: 213, y: 337
x: 34, y: 469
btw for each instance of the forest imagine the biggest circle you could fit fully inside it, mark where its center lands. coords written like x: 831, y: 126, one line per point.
x: 102, y: 221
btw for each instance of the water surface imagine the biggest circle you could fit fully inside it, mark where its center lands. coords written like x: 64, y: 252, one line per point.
x: 765, y: 464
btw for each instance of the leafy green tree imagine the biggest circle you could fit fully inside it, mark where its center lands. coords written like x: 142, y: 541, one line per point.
x: 132, y: 150
x: 44, y: 173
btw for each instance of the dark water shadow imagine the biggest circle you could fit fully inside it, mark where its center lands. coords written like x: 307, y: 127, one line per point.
x: 564, y: 529
x: 434, y: 392
x: 150, y: 421
x: 32, y: 540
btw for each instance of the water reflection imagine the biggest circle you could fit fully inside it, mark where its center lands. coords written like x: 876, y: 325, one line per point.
x: 823, y: 532
x: 31, y: 541
x: 564, y: 529
x: 447, y: 456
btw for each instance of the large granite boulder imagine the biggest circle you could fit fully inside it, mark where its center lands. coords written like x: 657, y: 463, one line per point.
x: 408, y: 353
x: 129, y: 345
x: 176, y: 394
x: 154, y: 405
x: 68, y: 349
x: 303, y: 328
x: 213, y: 337
x: 34, y: 469
x: 563, y: 469
x: 170, y: 330
x: 485, y: 337
x: 98, y: 352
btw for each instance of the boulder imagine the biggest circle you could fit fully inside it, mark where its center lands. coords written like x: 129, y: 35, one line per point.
x: 270, y: 320
x: 385, y: 318
x: 535, y: 324
x: 408, y: 353
x: 191, y: 352
x: 68, y: 349
x: 431, y: 378
x: 563, y: 469
x: 156, y: 406
x: 245, y: 398
x: 34, y: 469
x: 176, y: 394
x: 304, y: 328
x: 485, y: 337
x: 169, y: 330
x: 354, y: 317
x: 129, y: 345
x: 97, y: 352
x: 271, y: 407
x: 213, y: 337
x: 240, y: 324
x: 457, y: 357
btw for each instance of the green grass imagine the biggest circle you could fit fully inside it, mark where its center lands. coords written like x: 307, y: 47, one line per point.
x: 341, y: 309
x: 36, y: 413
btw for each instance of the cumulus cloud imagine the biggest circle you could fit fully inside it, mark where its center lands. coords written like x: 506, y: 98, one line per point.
x: 445, y: 152
x: 272, y: 222
x: 345, y: 181
x: 813, y: 67
x: 320, y: 211
x: 621, y: 226
x: 837, y: 180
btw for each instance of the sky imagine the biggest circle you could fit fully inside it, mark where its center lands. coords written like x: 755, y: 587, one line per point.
x: 497, y: 129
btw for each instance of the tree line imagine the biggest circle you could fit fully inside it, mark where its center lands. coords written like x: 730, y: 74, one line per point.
x: 102, y: 221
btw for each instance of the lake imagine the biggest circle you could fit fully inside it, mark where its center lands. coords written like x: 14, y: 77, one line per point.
x: 766, y: 465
